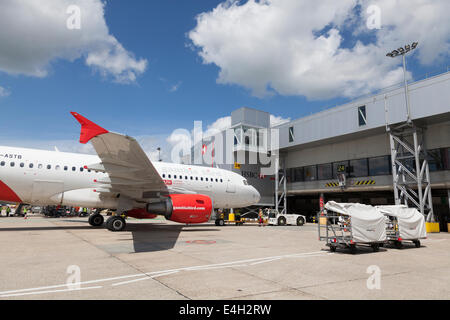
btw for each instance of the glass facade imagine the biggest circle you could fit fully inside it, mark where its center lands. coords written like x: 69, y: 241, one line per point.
x: 310, y: 173
x: 438, y: 160
x: 359, y: 168
x: 379, y: 166
x: 324, y: 171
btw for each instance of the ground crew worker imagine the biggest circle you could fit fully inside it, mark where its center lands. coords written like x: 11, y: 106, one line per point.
x: 8, y: 211
x: 25, y: 211
x: 260, y: 218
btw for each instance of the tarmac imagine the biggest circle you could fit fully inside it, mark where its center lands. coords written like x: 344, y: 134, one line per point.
x: 66, y: 258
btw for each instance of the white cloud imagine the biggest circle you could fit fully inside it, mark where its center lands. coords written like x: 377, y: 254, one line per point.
x: 33, y: 34
x: 276, y: 120
x: 4, y: 92
x: 175, y: 87
x: 218, y: 126
x: 297, y: 47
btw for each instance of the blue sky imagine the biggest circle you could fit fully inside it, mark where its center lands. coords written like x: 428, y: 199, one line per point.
x: 175, y: 89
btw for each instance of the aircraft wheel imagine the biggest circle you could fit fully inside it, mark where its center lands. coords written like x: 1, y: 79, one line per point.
x: 116, y: 223
x: 417, y: 243
x: 96, y: 220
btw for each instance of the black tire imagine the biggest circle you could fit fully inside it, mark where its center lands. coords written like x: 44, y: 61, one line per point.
x: 216, y: 222
x: 281, y: 221
x: 332, y: 248
x: 220, y: 222
x: 376, y: 247
x: 398, y: 244
x: 96, y: 220
x: 116, y: 224
x: 352, y: 249
x: 417, y: 243
x: 300, y: 221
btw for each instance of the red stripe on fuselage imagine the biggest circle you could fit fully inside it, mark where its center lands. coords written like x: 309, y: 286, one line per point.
x: 7, y: 194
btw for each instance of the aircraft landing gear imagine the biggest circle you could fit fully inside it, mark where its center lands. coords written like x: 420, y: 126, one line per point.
x: 96, y: 220
x: 116, y: 223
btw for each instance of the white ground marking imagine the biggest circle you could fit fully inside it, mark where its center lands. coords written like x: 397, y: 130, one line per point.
x: 141, y: 279
x: 149, y: 275
x: 48, y: 291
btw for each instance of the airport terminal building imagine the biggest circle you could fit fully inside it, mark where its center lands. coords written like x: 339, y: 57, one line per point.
x: 368, y: 151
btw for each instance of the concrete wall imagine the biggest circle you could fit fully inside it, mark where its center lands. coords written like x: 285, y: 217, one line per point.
x: 428, y: 98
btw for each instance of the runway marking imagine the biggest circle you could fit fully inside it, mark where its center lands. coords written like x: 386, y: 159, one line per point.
x: 150, y: 275
x: 48, y: 291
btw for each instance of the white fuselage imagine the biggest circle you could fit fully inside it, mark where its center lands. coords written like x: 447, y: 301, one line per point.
x: 40, y: 177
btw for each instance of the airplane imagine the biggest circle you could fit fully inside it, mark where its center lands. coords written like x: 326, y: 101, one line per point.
x: 120, y: 177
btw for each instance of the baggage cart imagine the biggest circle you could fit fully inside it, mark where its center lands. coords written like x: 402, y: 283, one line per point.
x: 403, y: 224
x: 348, y: 225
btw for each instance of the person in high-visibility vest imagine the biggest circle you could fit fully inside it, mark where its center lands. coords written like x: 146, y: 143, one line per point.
x: 8, y: 211
x: 260, y: 218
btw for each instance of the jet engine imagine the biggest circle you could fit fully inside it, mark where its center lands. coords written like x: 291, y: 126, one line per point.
x: 183, y: 208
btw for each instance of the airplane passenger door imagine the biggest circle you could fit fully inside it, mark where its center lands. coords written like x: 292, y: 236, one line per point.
x: 47, y: 192
x: 231, y: 188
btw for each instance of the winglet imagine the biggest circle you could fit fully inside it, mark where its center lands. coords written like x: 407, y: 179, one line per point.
x: 89, y: 129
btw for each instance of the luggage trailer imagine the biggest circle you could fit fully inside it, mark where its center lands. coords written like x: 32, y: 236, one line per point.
x: 336, y: 230
x: 393, y: 233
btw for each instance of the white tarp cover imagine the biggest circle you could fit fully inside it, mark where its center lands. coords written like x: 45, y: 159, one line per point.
x: 411, y: 223
x: 368, y: 224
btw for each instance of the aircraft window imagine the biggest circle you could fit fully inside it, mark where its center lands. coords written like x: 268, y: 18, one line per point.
x: 221, y: 180
x: 206, y: 179
x: 169, y: 176
x: 196, y: 178
x: 12, y: 164
x: 89, y: 170
x: 217, y: 180
x: 31, y: 165
x: 201, y: 178
x: 57, y: 167
x: 22, y: 164
x: 73, y: 168
x: 164, y: 175
x: 81, y: 169
x: 186, y: 177
x: 174, y: 176
x: 2, y: 163
x: 40, y: 166
x: 49, y: 166
x: 66, y: 168
x: 192, y: 178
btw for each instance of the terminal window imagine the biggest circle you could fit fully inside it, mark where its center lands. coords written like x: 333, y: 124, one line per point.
x: 379, y: 166
x: 291, y: 134
x: 362, y: 118
x: 324, y: 171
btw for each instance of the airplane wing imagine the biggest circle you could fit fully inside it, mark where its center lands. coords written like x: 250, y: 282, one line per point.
x: 130, y: 171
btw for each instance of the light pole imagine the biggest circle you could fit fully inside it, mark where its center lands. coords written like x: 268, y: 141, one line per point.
x: 159, y: 154
x: 403, y: 51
